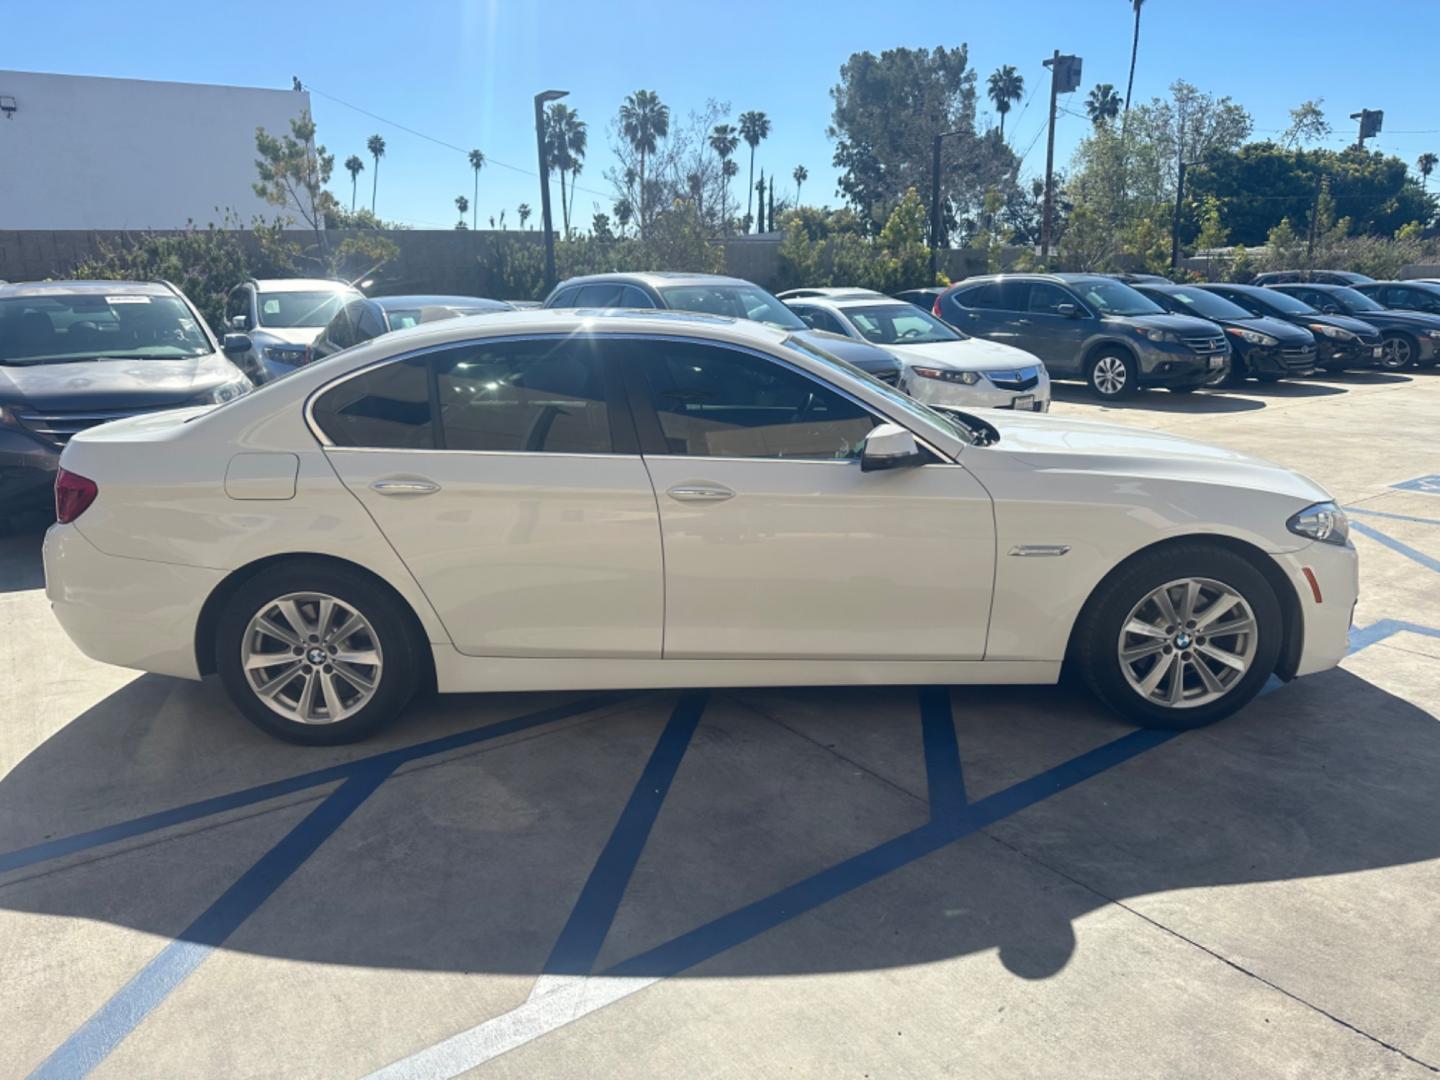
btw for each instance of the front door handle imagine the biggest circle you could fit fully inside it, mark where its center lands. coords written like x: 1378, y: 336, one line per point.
x: 405, y: 487
x: 700, y: 493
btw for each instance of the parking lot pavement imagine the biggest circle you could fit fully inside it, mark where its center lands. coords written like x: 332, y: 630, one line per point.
x: 880, y: 881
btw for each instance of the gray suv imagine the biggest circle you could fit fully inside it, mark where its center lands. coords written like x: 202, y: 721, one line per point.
x: 1089, y: 326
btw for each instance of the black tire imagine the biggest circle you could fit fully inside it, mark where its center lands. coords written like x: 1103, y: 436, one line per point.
x: 1098, y: 631
x: 398, y: 644
x: 1102, y: 365
x: 1399, y: 351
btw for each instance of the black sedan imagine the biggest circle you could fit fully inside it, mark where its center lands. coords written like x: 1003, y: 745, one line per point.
x: 1410, y: 337
x: 1404, y: 295
x: 924, y: 299
x: 369, y: 317
x: 1341, y: 342
x: 1260, y: 346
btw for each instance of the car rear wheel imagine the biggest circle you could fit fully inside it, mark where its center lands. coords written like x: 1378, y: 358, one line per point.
x: 1180, y: 637
x: 1397, y: 351
x: 1113, y: 375
x: 316, y: 654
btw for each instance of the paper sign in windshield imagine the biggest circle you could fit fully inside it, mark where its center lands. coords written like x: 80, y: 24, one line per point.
x: 113, y: 300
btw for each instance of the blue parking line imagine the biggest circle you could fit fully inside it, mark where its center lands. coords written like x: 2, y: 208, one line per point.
x: 389, y: 759
x: 1427, y: 561
x: 584, y: 933
x: 1377, y: 632
x: 1393, y: 517
x: 94, y: 1040
x: 944, y: 775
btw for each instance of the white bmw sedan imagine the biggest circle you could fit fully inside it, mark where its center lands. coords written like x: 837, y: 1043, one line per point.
x: 565, y: 499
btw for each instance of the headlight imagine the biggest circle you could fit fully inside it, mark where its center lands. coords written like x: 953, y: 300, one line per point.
x: 1155, y: 335
x: 224, y: 392
x: 287, y: 354
x: 969, y: 378
x: 1252, y: 337
x: 1432, y: 334
x: 1323, y: 521
x: 8, y: 417
x: 1334, y: 332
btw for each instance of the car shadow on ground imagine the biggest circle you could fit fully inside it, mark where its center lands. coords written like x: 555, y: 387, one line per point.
x: 20, y: 565
x: 1157, y: 400
x: 476, y: 861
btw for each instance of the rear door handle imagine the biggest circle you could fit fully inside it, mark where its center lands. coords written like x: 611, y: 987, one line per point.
x: 700, y: 493
x: 405, y: 487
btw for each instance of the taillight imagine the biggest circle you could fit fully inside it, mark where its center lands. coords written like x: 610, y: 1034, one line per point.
x: 936, y: 309
x: 73, y: 495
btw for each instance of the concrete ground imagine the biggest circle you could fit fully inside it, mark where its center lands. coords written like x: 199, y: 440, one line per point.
x: 878, y: 882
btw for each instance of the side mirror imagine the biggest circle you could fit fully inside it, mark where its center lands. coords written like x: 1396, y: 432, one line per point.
x: 237, y: 322
x: 1070, y: 311
x: 233, y: 343
x: 890, y: 446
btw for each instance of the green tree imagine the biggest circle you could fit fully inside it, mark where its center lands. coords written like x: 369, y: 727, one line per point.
x: 624, y: 212
x: 1426, y: 163
x: 293, y: 173
x: 462, y: 204
x: 801, y: 174
x: 645, y: 120
x: 728, y: 170
x: 1307, y: 125
x: 1006, y: 86
x: 724, y: 140
x: 754, y: 129
x: 1102, y: 104
x: 354, y: 166
x: 376, y: 145
x: 477, y: 162
x: 523, y: 213
x: 760, y: 190
x: 1213, y: 233
x: 1134, y: 52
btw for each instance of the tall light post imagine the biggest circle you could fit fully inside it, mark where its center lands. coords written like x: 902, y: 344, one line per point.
x: 935, y: 224
x: 541, y: 99
x: 1371, y: 121
x: 1064, y: 78
x: 1175, y: 219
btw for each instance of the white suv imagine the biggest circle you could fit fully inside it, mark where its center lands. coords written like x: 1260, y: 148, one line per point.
x: 271, y: 323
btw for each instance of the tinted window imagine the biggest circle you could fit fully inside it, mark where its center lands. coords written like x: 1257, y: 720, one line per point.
x: 537, y: 396
x: 1045, y: 299
x: 819, y: 319
x: 1199, y: 302
x: 565, y: 297
x: 899, y: 325
x: 736, y: 301
x: 369, y: 323
x: 605, y: 294
x: 716, y: 402
x: 1412, y: 299
x: 1116, y: 298
x: 632, y: 297
x: 386, y: 407
x: 980, y: 296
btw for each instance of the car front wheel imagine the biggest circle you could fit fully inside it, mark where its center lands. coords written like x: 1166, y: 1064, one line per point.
x: 1113, y: 375
x: 317, y: 654
x: 1396, y: 352
x: 1180, y: 637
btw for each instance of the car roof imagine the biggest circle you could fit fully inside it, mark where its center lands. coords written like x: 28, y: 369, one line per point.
x: 849, y: 301
x: 1318, y: 286
x: 607, y: 320
x: 656, y: 278
x: 70, y: 288
x: 301, y: 285
x: 1426, y: 283
x: 830, y: 292
x: 1065, y: 278
x: 480, y: 303
x: 1259, y: 290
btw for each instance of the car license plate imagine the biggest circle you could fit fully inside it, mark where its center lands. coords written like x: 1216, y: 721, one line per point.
x: 1377, y: 351
x: 1025, y: 401
x: 1216, y: 363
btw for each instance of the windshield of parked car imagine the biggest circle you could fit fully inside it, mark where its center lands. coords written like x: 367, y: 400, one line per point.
x: 898, y: 324
x: 1285, y: 302
x: 1116, y: 298
x: 736, y: 301
x: 59, y: 328
x: 1207, y: 305
x: 1354, y: 300
x: 904, y: 402
x: 294, y: 310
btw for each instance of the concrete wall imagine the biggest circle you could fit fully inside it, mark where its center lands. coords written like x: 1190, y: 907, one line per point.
x: 91, y: 153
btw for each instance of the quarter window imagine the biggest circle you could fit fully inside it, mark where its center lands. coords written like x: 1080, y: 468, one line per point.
x: 386, y: 407
x: 717, y: 402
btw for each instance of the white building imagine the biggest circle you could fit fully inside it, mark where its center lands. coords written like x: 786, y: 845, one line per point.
x: 78, y: 152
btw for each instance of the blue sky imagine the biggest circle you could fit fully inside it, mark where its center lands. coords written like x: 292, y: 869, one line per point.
x: 464, y: 71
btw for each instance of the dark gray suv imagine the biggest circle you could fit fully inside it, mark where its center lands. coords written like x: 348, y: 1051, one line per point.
x: 1091, y: 327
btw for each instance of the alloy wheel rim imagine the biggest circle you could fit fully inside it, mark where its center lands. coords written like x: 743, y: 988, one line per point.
x: 1109, y: 374
x: 1188, y: 643
x: 311, y: 658
x: 1396, y: 353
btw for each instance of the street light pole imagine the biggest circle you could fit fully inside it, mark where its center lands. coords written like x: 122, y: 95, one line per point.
x: 937, y: 223
x: 1175, y: 221
x: 1064, y: 78
x: 540, y: 101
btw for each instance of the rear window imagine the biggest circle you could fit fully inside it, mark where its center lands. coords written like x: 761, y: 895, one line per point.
x: 292, y: 310
x: 386, y: 407
x: 735, y: 301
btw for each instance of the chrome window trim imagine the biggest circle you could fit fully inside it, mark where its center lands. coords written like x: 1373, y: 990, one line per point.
x: 327, y: 444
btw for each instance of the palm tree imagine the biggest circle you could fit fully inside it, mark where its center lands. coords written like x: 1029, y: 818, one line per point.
x: 1426, y: 163
x: 801, y: 174
x: 760, y: 190
x: 462, y: 204
x: 376, y: 145
x: 523, y: 212
x: 565, y: 133
x: 1134, y: 49
x: 623, y: 213
x: 754, y: 128
x: 1006, y: 87
x: 1103, y: 104
x: 477, y: 162
x: 723, y: 141
x: 645, y: 120
x: 354, y: 166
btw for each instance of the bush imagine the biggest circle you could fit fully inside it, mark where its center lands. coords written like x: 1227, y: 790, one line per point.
x: 830, y: 249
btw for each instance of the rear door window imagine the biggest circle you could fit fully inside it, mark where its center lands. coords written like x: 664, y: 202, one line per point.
x: 385, y: 407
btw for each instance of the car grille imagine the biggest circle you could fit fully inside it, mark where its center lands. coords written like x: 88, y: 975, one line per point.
x: 1206, y: 345
x: 1017, y: 379
x: 1371, y: 340
x: 1298, y: 357
x: 58, y: 427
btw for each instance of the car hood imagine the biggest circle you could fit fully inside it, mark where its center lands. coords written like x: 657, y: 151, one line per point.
x: 290, y: 335
x: 1053, y: 443
x: 969, y: 354
x: 1282, y: 331
x: 1344, y: 322
x: 1414, y: 320
x: 1187, y: 325
x: 862, y: 354
x: 112, y: 384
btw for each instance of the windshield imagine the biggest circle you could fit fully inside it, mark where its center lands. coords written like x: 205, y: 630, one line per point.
x: 59, y: 328
x: 1116, y: 298
x: 1285, y: 302
x: 1352, y: 300
x: 291, y: 310
x: 1208, y: 305
x: 898, y: 324
x: 902, y: 401
x: 735, y: 301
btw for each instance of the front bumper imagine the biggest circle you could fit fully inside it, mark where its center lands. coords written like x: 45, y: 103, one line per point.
x: 130, y: 612
x: 1279, y: 361
x: 1177, y: 366
x: 27, y: 472
x: 1347, y: 354
x: 981, y: 395
x: 1325, y: 624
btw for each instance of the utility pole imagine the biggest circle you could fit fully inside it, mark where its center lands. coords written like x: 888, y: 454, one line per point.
x: 1370, y: 121
x: 540, y: 101
x: 1175, y: 221
x: 1064, y: 78
x: 934, y: 203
